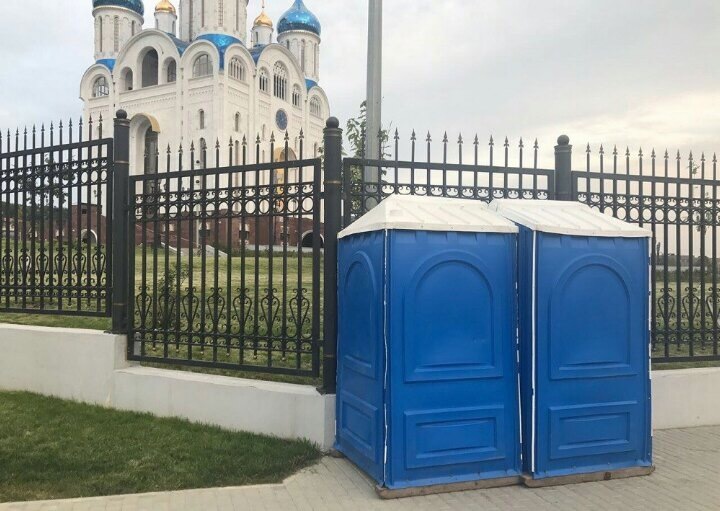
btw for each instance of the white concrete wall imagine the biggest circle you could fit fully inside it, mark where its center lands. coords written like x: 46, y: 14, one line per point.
x: 67, y: 363
x: 90, y: 366
x: 686, y: 398
x: 279, y: 409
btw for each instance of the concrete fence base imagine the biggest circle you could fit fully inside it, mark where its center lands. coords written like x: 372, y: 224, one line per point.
x: 90, y: 366
x: 686, y: 398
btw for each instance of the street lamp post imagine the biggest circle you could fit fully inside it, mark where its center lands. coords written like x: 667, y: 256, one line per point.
x: 374, y: 89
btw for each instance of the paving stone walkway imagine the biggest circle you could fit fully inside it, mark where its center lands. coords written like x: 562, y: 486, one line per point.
x: 687, y: 479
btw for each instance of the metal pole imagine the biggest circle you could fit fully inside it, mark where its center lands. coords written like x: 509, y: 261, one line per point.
x: 563, y: 169
x: 120, y: 251
x: 333, y: 184
x: 374, y: 90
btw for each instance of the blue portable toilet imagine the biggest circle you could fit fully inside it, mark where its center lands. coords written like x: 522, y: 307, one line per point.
x: 584, y: 342
x: 427, y: 393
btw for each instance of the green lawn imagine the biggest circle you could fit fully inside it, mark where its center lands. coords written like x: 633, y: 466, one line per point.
x: 56, y: 321
x: 52, y: 449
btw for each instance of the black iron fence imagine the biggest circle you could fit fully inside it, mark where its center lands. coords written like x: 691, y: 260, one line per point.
x: 676, y: 198
x: 485, y: 177
x: 226, y: 269
x: 55, y: 191
x: 234, y: 267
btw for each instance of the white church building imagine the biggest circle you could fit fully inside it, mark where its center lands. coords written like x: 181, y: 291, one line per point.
x: 196, y: 79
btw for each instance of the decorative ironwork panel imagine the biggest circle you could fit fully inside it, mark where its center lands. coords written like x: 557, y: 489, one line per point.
x: 676, y: 198
x: 368, y: 181
x: 55, y: 225
x: 226, y: 269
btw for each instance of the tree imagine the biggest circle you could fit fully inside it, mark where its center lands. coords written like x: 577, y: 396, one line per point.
x: 356, y: 135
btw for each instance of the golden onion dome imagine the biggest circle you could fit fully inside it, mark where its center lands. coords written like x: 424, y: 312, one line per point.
x: 263, y: 20
x: 165, y: 6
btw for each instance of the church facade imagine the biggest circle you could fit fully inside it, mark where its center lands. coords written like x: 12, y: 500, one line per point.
x: 196, y: 79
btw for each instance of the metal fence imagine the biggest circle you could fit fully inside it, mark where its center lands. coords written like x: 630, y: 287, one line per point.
x: 235, y: 267
x: 226, y: 270
x: 55, y: 191
x: 676, y: 198
x: 368, y: 181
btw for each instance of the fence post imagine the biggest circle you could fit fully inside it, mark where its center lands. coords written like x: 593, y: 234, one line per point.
x: 120, y: 251
x: 333, y: 183
x: 563, y: 169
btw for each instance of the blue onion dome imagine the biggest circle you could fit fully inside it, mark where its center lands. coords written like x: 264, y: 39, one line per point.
x: 298, y: 17
x: 133, y: 5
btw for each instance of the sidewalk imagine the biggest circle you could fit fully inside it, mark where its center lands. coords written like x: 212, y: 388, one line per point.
x: 687, y: 478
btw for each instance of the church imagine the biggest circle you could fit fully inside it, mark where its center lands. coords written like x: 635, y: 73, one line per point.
x: 195, y: 79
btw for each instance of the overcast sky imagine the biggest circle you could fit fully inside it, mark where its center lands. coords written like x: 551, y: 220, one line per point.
x: 638, y: 73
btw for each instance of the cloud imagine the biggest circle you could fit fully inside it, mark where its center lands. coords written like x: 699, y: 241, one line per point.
x: 633, y: 73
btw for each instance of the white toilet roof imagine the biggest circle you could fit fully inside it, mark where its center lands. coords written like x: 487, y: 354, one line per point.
x: 570, y: 218
x: 421, y: 213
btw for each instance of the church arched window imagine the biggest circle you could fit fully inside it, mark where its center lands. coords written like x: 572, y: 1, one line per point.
x: 132, y: 31
x: 203, y: 154
x: 237, y: 69
x: 191, y: 16
x: 116, y: 33
x: 100, y: 87
x: 201, y: 119
x: 237, y: 121
x: 237, y: 16
x: 100, y: 22
x: 296, y: 96
x: 302, y: 56
x: 280, y: 75
x: 150, y: 68
x: 264, y: 81
x: 315, y: 107
x: 202, y: 66
x: 127, y: 78
x: 171, y: 71
x: 316, y: 60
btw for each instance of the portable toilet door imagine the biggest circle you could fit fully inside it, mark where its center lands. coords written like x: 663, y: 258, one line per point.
x: 584, y: 342
x: 427, y: 357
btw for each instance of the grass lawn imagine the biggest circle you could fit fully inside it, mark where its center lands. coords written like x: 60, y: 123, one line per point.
x: 52, y: 449
x: 56, y: 321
